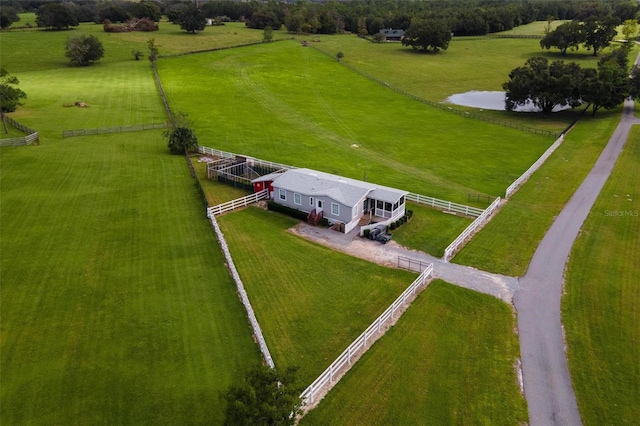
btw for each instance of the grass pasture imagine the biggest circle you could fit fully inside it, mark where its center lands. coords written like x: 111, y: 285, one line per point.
x: 116, y: 305
x: 507, y: 243
x: 600, y: 305
x: 277, y: 102
x: 448, y: 360
x: 311, y: 302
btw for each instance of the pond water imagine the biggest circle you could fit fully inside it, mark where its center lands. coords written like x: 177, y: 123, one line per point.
x: 490, y: 100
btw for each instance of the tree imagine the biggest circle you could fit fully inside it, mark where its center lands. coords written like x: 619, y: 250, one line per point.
x: 428, y: 34
x: 192, y: 19
x: 8, y: 15
x: 10, y: 96
x: 609, y: 85
x: 83, y: 50
x: 153, y: 49
x: 566, y: 36
x: 267, y: 34
x: 634, y: 82
x: 113, y: 13
x: 543, y: 84
x: 630, y: 29
x: 599, y: 33
x: 182, y: 139
x: 55, y: 16
x: 146, y: 9
x: 266, y: 396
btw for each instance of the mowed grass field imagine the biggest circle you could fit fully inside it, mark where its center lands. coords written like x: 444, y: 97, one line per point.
x: 448, y: 360
x: 600, y: 306
x: 311, y: 302
x: 292, y: 104
x: 507, y: 243
x: 116, y: 305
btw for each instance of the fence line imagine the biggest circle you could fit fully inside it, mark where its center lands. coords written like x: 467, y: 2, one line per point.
x: 445, y: 205
x: 215, y: 49
x: 408, y: 263
x: 531, y: 170
x: 161, y: 89
x: 251, y: 160
x: 441, y: 106
x: 237, y: 203
x: 114, y: 129
x: 31, y: 137
x: 459, y: 242
x: 327, y: 379
x: 257, y: 331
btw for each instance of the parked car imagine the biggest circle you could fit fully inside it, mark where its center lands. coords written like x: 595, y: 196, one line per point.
x: 379, y: 233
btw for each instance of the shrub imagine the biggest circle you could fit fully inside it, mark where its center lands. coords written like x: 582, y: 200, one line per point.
x: 409, y: 214
x: 392, y: 226
x: 366, y: 233
x: 294, y: 213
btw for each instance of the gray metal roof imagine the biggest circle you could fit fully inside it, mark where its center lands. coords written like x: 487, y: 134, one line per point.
x: 344, y: 190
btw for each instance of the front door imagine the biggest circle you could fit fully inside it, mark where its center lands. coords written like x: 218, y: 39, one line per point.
x: 319, y: 205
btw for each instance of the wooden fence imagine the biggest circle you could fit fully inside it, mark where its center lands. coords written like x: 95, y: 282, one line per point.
x: 257, y: 331
x: 31, y: 137
x: 459, y: 242
x: 237, y: 203
x: 443, y: 205
x: 535, y: 166
x: 114, y: 129
x: 327, y: 379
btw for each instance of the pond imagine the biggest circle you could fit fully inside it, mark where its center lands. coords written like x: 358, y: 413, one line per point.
x: 491, y: 100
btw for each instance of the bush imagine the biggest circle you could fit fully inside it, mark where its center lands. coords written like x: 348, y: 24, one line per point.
x: 392, y: 226
x: 366, y: 233
x: 409, y: 214
x: 294, y: 213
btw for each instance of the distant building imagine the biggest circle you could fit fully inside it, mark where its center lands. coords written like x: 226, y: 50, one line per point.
x: 392, y: 35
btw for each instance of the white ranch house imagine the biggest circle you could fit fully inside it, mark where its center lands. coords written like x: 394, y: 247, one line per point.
x: 338, y: 199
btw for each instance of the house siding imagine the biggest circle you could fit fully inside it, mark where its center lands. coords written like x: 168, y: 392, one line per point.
x: 345, y: 213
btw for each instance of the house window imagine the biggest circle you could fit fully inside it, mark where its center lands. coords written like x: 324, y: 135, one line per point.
x: 297, y: 199
x: 402, y: 200
x: 355, y: 211
x: 335, y: 209
x: 311, y: 201
x: 380, y: 205
x: 283, y: 194
x: 387, y: 207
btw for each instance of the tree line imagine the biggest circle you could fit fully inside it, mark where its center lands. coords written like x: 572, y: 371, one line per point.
x: 548, y: 85
x: 364, y: 17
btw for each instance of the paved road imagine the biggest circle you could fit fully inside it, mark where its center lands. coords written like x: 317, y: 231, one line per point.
x: 547, y: 382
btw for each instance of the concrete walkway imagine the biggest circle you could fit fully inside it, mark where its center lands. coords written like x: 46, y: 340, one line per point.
x: 547, y: 382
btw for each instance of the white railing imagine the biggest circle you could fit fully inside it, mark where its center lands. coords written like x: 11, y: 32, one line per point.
x: 531, y: 170
x: 252, y: 161
x: 31, y: 137
x: 448, y: 206
x: 257, y: 331
x: 325, y: 381
x: 237, y: 203
x: 458, y: 242
x: 386, y: 222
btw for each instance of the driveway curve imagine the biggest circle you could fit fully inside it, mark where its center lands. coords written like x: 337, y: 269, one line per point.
x: 547, y: 382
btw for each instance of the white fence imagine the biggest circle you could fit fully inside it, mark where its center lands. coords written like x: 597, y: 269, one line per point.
x: 238, y: 203
x: 257, y: 331
x: 325, y: 381
x: 458, y: 242
x: 535, y: 166
x: 445, y: 205
x: 252, y: 161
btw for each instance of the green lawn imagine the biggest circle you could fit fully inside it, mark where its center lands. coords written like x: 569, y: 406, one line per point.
x: 311, y: 302
x: 600, y: 307
x: 116, y: 305
x: 449, y: 360
x: 507, y: 243
x: 275, y: 102
x: 430, y: 230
